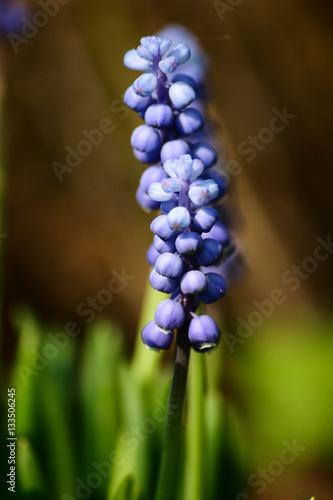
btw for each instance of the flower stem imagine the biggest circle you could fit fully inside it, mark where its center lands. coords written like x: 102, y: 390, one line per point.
x: 167, y: 480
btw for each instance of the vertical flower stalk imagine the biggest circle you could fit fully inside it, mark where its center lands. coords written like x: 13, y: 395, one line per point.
x: 190, y: 241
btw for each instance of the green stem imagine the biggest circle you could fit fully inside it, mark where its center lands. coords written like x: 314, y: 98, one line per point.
x: 196, y: 456
x: 167, y: 480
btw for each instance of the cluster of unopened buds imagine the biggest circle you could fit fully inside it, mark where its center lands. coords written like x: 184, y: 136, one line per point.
x: 189, y: 239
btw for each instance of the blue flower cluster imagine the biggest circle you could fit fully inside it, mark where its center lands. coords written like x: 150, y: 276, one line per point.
x: 189, y: 238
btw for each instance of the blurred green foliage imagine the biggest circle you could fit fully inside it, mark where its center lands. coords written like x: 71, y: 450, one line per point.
x: 90, y: 422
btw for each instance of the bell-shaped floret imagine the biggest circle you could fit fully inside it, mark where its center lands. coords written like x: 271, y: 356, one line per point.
x: 159, y: 115
x: 189, y: 121
x: 216, y: 288
x: 193, y: 282
x: 162, y: 283
x: 203, y: 333
x: 154, y: 338
x: 145, y: 84
x: 179, y: 219
x: 204, y: 152
x: 210, y: 252
x: 205, y: 218
x: 132, y: 60
x: 136, y: 102
x: 161, y: 227
x: 181, y: 95
x: 204, y: 192
x: 174, y: 149
x: 189, y: 243
x: 169, y: 264
x: 169, y: 315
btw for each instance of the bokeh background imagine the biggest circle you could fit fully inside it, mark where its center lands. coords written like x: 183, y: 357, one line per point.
x: 65, y: 238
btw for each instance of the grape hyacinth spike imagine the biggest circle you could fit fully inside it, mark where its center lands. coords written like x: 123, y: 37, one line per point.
x: 179, y: 181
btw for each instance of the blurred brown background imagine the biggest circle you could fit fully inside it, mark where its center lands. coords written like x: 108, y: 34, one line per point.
x: 64, y: 238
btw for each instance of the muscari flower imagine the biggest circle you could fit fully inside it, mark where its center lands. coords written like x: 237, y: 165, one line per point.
x: 189, y: 240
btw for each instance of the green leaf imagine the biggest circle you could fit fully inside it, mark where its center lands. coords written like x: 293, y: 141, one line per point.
x: 26, y: 370
x: 99, y: 388
x: 28, y: 468
x: 125, y: 490
x: 195, y: 470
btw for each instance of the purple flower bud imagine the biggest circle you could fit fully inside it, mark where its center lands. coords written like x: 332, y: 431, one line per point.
x: 220, y: 181
x: 146, y: 156
x: 181, y: 52
x: 189, y: 121
x: 150, y: 175
x: 181, y: 95
x: 145, y: 84
x: 161, y: 227
x: 165, y: 46
x: 170, y: 166
x: 162, y: 283
x: 152, y: 255
x: 203, y: 333
x: 174, y: 149
x: 154, y: 339
x: 171, y: 185
x: 132, y: 60
x: 144, y: 52
x: 164, y: 246
x: 179, y: 219
x: 159, y: 115
x: 216, y: 288
x: 197, y: 169
x: 205, y: 153
x: 152, y: 44
x: 180, y: 77
x: 168, y: 65
x: 136, y: 102
x: 218, y: 232
x: 169, y: 315
x: 169, y: 264
x: 167, y: 206
x: 205, y: 218
x: 184, y: 169
x: 204, y: 192
x: 210, y: 253
x: 193, y: 282
x: 188, y: 243
x: 145, y: 202
x: 157, y: 193
x: 146, y: 139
